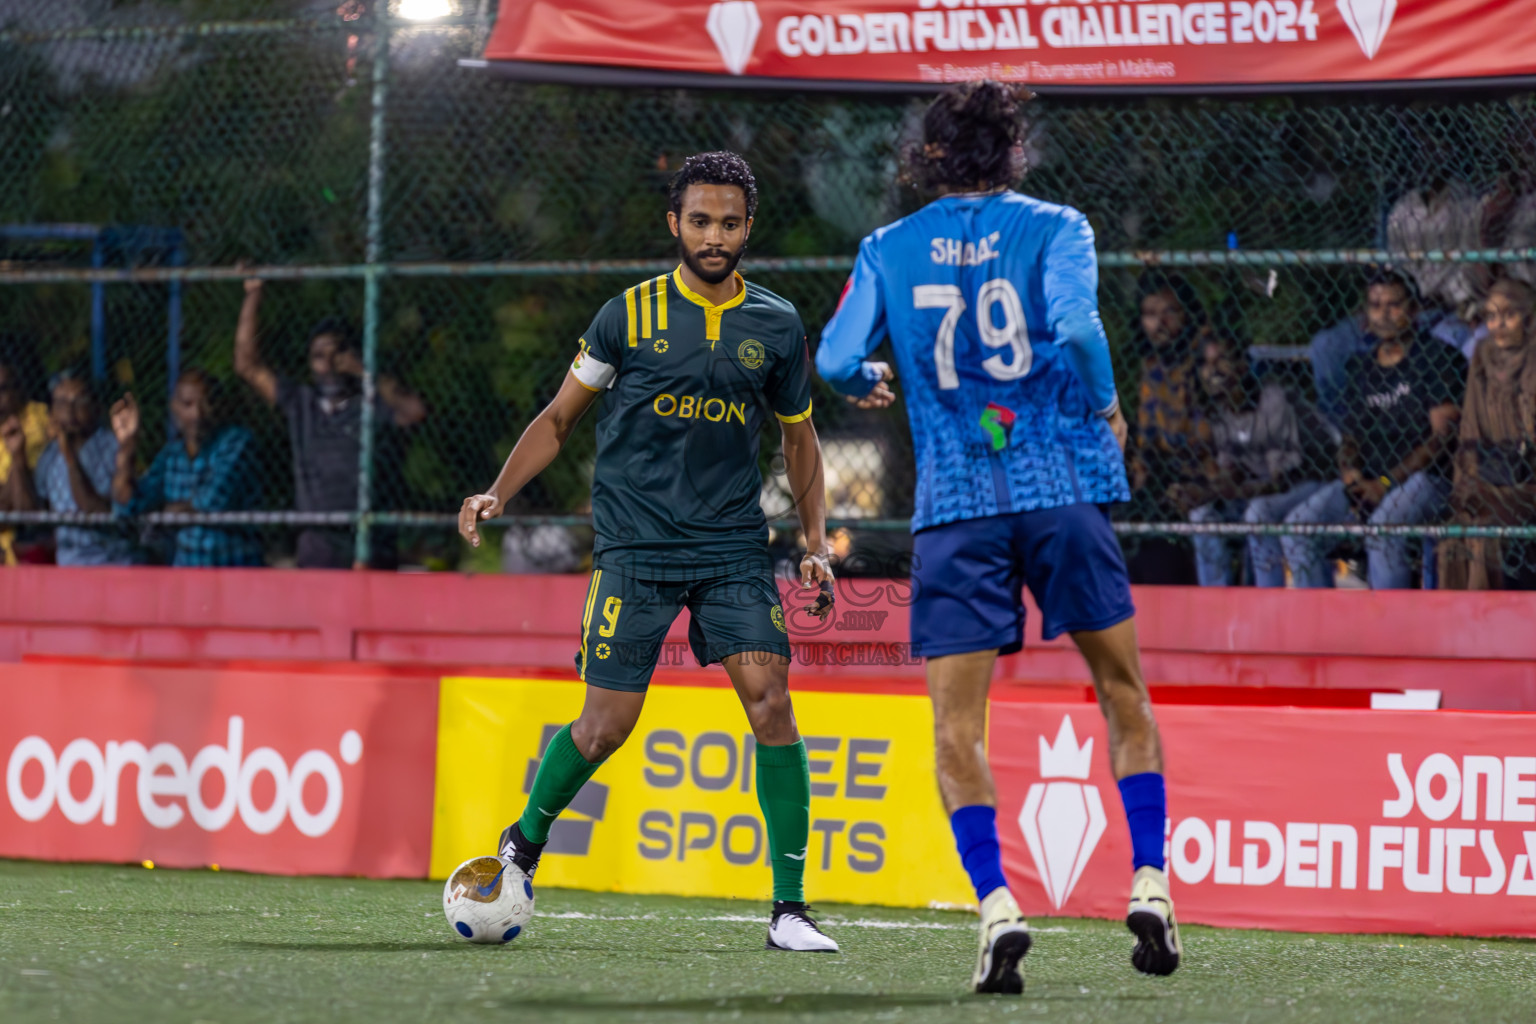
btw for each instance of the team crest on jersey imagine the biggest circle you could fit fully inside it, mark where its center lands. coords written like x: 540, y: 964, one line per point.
x: 660, y: 345
x: 751, y: 353
x: 778, y: 618
x: 997, y: 421
x: 603, y: 651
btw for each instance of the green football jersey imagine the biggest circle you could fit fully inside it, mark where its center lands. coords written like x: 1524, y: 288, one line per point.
x: 676, y: 488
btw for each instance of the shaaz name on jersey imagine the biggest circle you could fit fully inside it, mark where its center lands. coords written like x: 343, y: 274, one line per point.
x: 955, y: 252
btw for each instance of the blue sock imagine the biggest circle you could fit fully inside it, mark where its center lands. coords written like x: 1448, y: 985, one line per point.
x: 975, y: 830
x: 1146, y: 810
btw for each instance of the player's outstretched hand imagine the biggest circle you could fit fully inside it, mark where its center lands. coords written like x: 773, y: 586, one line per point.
x: 477, y: 507
x: 816, y: 571
x: 881, y: 395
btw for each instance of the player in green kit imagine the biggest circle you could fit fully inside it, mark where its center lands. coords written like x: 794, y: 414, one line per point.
x: 693, y: 365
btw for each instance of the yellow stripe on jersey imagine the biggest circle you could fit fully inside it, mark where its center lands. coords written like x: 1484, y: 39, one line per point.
x: 796, y: 419
x: 661, y: 303
x: 712, y: 313
x: 645, y: 310
x: 629, y: 308
x: 586, y: 620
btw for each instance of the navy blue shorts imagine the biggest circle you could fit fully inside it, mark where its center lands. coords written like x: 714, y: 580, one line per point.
x: 967, y: 577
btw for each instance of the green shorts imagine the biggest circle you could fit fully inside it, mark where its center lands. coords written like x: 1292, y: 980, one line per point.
x: 625, y: 623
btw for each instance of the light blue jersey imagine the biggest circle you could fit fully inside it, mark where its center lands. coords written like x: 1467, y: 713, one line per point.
x: 991, y: 304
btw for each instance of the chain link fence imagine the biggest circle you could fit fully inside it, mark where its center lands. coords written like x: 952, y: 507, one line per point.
x: 461, y: 229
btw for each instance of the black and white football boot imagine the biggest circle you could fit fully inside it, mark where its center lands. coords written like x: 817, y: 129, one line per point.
x: 1004, y: 941
x: 791, y: 930
x: 519, y: 849
x: 1150, y: 918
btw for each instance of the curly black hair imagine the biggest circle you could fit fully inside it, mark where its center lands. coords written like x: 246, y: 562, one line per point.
x: 719, y: 168
x: 969, y: 133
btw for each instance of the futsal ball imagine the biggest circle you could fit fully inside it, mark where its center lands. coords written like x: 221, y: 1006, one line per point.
x: 488, y: 900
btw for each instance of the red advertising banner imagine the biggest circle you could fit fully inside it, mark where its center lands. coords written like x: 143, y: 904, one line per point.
x: 1078, y: 43
x: 279, y: 773
x: 1285, y: 818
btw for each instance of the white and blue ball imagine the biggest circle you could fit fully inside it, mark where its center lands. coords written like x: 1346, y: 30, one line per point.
x: 488, y: 900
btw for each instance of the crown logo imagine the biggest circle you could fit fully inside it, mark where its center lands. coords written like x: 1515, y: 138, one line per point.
x: 1064, y: 759
x: 1368, y: 21
x: 1062, y: 818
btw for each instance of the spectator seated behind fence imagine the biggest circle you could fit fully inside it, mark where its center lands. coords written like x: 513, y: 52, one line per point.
x: 207, y: 467
x: 324, y: 427
x: 1332, y: 348
x: 24, y: 433
x: 1495, y: 479
x: 1401, y: 407
x: 74, y: 474
x: 1266, y: 450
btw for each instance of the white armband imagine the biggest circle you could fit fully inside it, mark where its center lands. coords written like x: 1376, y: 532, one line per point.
x: 592, y: 372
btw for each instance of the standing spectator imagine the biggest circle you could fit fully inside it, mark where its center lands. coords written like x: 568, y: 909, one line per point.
x: 1401, y: 407
x: 1495, y: 480
x: 74, y: 474
x: 1449, y: 216
x: 207, y: 467
x: 1266, y: 450
x: 324, y: 427
x: 1172, y: 432
x: 24, y: 431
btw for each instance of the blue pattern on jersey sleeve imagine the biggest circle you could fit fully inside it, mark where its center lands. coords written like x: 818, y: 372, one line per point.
x: 990, y: 436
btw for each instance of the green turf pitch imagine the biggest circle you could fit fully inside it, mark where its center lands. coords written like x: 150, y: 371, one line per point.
x: 88, y: 943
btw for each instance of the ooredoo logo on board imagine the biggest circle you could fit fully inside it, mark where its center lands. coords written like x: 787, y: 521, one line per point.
x: 172, y: 788
x: 308, y: 770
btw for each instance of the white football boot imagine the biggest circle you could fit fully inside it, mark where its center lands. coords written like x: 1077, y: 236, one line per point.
x: 792, y: 931
x: 1004, y: 941
x: 1151, y: 920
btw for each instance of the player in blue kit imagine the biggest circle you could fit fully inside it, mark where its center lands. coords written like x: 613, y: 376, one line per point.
x: 990, y: 301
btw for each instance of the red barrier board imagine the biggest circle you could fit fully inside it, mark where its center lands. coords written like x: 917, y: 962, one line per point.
x: 1283, y: 818
x: 259, y: 771
x: 1080, y: 43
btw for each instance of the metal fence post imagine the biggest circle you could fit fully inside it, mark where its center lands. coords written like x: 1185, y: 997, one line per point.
x: 373, y: 257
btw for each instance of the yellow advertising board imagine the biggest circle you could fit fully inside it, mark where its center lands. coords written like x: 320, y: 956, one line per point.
x: 675, y: 810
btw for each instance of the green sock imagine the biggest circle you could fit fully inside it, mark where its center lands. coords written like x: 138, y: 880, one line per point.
x: 562, y: 773
x: 784, y: 792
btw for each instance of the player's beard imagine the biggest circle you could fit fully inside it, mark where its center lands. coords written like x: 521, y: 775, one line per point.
x: 692, y: 260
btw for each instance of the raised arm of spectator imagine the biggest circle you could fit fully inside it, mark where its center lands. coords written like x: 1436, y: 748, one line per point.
x: 248, y: 362
x: 132, y: 496
x: 125, y: 427
x: 20, y: 490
